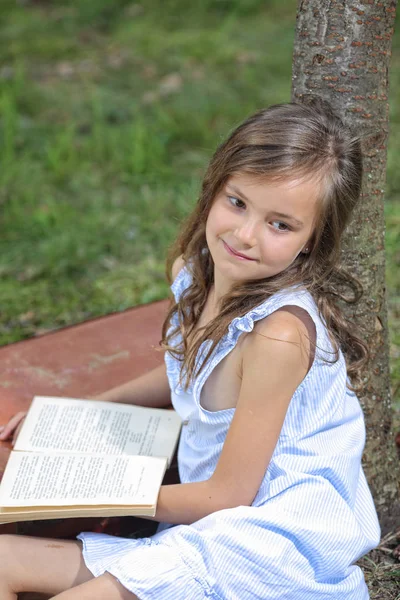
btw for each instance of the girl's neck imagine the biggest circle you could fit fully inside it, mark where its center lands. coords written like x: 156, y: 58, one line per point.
x: 219, y: 288
x: 212, y: 302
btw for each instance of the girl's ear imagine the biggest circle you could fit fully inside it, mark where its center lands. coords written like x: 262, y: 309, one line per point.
x: 308, y: 246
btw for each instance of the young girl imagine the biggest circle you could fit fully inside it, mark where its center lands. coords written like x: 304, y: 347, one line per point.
x: 261, y: 365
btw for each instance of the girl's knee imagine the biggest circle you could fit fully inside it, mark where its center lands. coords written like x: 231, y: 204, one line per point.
x: 42, y: 565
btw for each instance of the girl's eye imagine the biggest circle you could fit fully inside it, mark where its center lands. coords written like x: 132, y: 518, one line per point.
x: 236, y: 202
x: 280, y: 226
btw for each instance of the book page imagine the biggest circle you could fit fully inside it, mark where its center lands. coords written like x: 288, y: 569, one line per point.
x: 37, y: 479
x: 71, y: 425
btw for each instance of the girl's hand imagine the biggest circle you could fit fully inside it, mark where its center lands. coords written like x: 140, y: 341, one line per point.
x: 12, y: 428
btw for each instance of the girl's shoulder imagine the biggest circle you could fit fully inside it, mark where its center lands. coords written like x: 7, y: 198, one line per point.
x: 296, y: 300
x: 291, y: 315
x: 289, y: 325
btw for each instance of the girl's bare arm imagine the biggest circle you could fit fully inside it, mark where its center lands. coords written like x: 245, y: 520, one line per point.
x: 151, y: 389
x: 275, y: 361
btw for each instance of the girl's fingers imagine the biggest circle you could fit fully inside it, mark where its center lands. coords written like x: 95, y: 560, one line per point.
x: 11, y: 425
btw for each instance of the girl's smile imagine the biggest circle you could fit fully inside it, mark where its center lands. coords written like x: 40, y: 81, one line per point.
x: 236, y: 254
x: 256, y: 229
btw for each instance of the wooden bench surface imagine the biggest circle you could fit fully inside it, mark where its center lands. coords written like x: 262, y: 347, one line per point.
x: 81, y: 360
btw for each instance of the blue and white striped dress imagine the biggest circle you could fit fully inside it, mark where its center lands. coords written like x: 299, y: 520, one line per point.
x: 313, y: 515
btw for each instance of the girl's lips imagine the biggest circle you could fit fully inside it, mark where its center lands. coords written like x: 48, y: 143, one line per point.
x: 236, y: 254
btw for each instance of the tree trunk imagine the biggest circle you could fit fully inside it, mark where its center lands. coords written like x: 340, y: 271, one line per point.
x: 341, y: 52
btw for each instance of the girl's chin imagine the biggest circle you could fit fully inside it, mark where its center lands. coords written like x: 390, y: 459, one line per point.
x: 236, y: 274
x: 242, y: 271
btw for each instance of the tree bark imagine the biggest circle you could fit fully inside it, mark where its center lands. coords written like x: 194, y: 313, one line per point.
x: 342, y: 51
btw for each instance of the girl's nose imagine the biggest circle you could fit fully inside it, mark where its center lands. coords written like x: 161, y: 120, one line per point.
x: 246, y: 233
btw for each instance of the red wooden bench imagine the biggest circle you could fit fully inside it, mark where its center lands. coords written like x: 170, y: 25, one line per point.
x: 78, y: 361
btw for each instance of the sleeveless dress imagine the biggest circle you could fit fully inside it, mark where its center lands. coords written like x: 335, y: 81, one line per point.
x: 313, y: 515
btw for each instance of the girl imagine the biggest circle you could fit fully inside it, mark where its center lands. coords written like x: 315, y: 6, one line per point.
x: 262, y: 366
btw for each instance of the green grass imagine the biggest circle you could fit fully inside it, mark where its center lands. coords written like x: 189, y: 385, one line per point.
x: 108, y: 115
x: 108, y: 120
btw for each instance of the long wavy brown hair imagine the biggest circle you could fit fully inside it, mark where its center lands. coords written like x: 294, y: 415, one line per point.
x: 283, y: 142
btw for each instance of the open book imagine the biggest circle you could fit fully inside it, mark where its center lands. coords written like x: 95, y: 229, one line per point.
x: 86, y: 458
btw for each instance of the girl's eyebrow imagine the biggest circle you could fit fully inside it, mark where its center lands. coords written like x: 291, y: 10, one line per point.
x: 236, y: 190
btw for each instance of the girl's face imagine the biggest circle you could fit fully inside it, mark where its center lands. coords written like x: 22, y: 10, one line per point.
x: 256, y: 229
